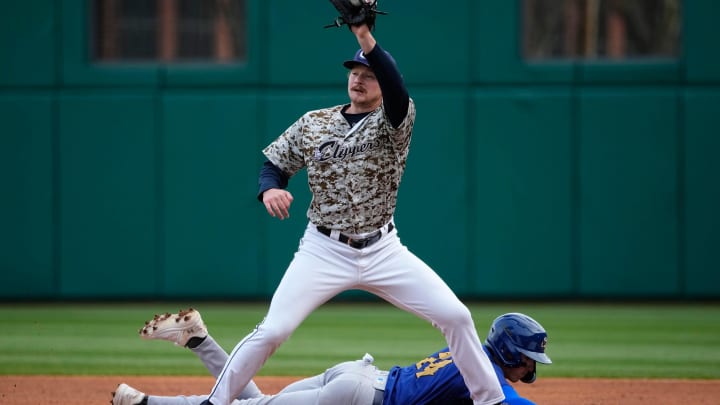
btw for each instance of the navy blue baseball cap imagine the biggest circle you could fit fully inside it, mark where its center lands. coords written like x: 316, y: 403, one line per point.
x: 358, y: 59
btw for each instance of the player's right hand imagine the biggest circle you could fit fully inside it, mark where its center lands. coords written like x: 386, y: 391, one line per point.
x: 277, y: 202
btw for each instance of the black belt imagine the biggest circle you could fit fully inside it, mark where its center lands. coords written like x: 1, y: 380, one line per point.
x: 378, y: 399
x: 356, y: 243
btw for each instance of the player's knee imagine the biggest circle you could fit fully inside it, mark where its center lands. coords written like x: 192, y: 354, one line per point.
x: 458, y: 317
x: 274, y: 335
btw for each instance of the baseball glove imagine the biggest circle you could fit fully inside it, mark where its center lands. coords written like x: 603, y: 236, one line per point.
x: 355, y: 12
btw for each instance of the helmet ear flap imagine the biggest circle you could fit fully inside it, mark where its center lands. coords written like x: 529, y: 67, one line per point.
x: 529, y: 378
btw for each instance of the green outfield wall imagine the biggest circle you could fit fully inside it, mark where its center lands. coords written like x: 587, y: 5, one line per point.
x: 525, y: 180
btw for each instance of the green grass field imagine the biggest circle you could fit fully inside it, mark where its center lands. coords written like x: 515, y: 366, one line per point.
x: 585, y: 340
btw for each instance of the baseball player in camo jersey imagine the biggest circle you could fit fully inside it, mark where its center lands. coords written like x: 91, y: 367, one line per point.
x: 355, y: 156
x: 515, y: 343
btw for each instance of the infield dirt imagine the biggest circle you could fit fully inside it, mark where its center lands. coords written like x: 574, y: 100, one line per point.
x: 61, y: 390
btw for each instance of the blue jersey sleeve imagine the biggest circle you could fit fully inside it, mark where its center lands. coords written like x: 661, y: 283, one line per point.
x: 271, y: 177
x: 511, y: 396
x: 395, y: 95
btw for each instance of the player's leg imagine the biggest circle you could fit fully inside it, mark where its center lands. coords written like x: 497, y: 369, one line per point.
x: 127, y: 395
x: 348, y: 383
x: 211, y: 355
x: 339, y: 371
x: 214, y: 358
x: 313, y: 277
x: 177, y: 400
x: 347, y: 390
x: 187, y: 329
x: 401, y: 278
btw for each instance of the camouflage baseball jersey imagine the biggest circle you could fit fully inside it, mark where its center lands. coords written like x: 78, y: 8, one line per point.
x: 353, y: 173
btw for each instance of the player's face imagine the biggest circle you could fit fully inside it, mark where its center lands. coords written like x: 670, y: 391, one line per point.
x: 514, y: 374
x: 363, y: 89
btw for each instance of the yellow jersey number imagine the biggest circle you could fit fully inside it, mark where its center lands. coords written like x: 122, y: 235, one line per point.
x: 431, y: 365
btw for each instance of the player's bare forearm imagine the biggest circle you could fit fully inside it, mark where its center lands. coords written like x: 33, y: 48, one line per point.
x: 277, y: 202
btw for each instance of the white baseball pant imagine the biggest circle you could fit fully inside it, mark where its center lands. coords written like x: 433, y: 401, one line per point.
x: 321, y: 269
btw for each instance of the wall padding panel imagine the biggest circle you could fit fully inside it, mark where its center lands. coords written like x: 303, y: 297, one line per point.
x: 210, y: 222
x: 108, y: 198
x: 27, y: 205
x: 521, y: 163
x: 702, y: 193
x: 628, y: 192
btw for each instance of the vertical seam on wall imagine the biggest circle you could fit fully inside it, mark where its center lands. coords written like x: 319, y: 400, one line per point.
x: 56, y: 197
x: 575, y: 183
x: 470, y: 174
x: 56, y: 212
x: 261, y: 105
x: 681, y: 185
x: 471, y: 187
x: 262, y: 51
x: 55, y: 156
x: 159, y: 182
x: 680, y: 193
x: 263, y: 250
